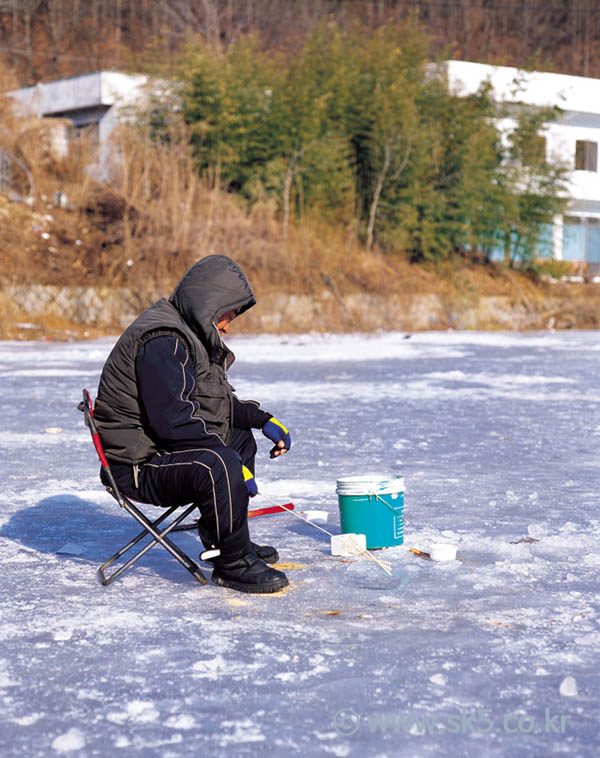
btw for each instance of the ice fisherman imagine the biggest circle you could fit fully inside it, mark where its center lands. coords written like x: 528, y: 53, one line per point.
x: 172, y: 428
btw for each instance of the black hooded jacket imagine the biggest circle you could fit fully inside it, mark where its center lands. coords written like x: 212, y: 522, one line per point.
x: 164, y: 385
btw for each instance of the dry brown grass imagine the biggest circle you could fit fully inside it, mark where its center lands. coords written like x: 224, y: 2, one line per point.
x: 156, y: 216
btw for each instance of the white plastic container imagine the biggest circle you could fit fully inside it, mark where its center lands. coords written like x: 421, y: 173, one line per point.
x: 442, y: 551
x: 319, y: 516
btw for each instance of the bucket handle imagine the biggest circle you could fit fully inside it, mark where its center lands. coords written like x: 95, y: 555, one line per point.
x: 387, y: 505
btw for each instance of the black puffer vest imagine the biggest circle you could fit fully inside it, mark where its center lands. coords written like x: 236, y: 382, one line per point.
x: 212, y: 286
x: 118, y: 415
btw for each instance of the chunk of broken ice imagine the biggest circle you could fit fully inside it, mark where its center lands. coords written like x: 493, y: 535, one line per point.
x: 568, y: 686
x: 537, y: 530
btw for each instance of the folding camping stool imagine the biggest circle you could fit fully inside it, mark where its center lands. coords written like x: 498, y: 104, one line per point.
x: 150, y: 527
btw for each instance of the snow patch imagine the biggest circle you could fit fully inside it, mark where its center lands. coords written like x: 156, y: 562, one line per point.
x: 28, y: 720
x: 439, y: 679
x: 182, y: 721
x: 244, y: 730
x: 71, y: 740
x: 137, y: 711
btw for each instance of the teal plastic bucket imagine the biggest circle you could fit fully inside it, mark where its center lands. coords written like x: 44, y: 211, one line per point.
x: 374, y: 506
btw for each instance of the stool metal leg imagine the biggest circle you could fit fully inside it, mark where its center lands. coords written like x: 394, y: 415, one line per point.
x: 159, y: 537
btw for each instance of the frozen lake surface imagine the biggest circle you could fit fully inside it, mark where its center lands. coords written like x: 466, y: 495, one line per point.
x: 494, y: 654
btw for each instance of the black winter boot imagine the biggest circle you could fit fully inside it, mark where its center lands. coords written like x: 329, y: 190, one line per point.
x: 248, y: 574
x: 266, y: 553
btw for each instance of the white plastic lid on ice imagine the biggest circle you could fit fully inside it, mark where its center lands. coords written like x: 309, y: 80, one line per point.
x: 370, y: 484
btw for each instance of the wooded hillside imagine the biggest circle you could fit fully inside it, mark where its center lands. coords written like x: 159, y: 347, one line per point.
x: 46, y: 39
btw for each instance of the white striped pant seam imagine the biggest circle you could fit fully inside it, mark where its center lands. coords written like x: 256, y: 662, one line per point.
x: 208, y: 450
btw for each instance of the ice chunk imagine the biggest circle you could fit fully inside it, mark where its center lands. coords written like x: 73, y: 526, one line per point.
x: 568, y: 686
x: 537, y: 530
x: 70, y: 548
x: 63, y: 634
x: 182, y: 721
x: 28, y: 720
x: 438, y: 679
x: 71, y: 740
x: 142, y: 712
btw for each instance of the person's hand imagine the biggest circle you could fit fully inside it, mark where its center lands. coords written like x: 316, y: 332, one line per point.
x: 250, y: 481
x: 278, y: 434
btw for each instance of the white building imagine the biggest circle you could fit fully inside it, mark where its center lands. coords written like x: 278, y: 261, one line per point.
x: 573, y: 139
x: 92, y: 103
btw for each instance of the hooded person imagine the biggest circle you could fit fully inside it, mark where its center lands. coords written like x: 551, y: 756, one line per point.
x: 172, y: 427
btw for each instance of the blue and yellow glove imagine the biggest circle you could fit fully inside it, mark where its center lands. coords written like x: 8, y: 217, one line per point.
x: 277, y: 433
x: 250, y: 481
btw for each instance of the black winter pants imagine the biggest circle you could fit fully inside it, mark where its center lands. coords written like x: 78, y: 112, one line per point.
x: 212, y: 479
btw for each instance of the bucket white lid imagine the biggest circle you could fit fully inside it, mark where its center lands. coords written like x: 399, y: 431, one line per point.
x: 366, y: 484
